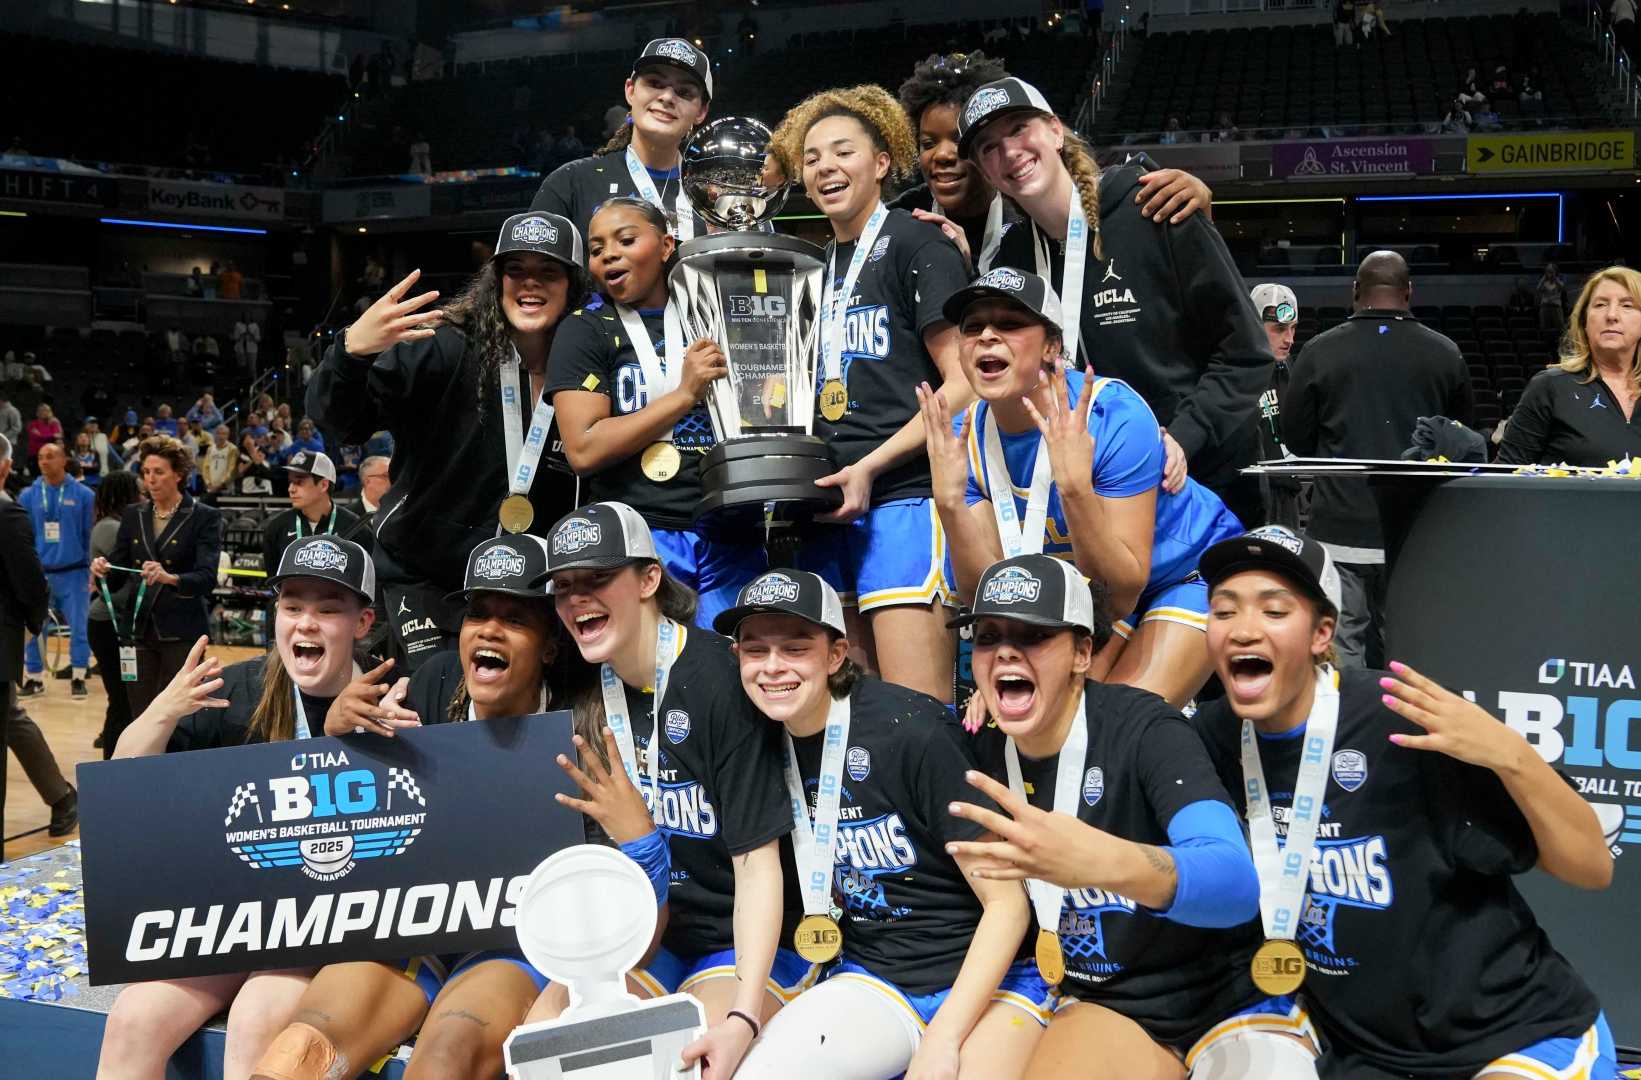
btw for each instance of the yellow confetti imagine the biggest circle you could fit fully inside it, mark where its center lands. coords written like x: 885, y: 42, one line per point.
x: 590, y: 382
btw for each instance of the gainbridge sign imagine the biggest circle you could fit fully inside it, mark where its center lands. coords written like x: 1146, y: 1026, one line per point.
x: 1560, y: 151
x: 296, y: 854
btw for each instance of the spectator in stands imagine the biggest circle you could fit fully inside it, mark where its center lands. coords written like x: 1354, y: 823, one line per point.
x: 307, y: 438
x: 61, y: 509
x: 205, y: 412
x: 195, y: 441
x: 11, y: 421
x: 118, y: 491
x: 256, y: 424
x: 278, y: 439
x: 108, y: 458
x: 1370, y: 17
x: 1530, y: 93
x: 373, y: 482
x: 1622, y: 13
x: 1470, y: 91
x: 44, y: 428
x: 264, y: 404
x: 668, y: 95
x: 221, y: 465
x: 1227, y: 129
x: 1582, y: 411
x: 128, y: 448
x: 230, y: 283
x: 164, y: 422
x: 125, y: 429
x: 175, y: 542
x: 87, y: 463
x: 1344, y: 21
x: 421, y: 156
x: 1171, y: 132
x: 283, y: 411
x: 254, y: 470
x: 1551, y: 292
x: 1500, y: 86
x: 195, y: 285
x: 1458, y: 119
x: 1359, y: 393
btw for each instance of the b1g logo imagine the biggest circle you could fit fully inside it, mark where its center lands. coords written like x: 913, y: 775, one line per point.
x: 577, y: 533
x: 534, y: 230
x: 773, y: 307
x: 326, y: 820
x: 1011, y: 586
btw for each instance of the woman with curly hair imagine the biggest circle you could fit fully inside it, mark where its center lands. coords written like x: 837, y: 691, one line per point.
x: 460, y: 389
x: 668, y: 94
x: 882, y: 333
x: 1160, y: 306
x: 956, y: 191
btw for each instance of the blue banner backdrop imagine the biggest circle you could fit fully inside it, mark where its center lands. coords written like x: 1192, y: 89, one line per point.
x: 295, y: 854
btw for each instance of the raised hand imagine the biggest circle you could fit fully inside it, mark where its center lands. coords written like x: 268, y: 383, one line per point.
x: 948, y: 461
x: 392, y: 319
x: 607, y: 795
x: 1065, y: 431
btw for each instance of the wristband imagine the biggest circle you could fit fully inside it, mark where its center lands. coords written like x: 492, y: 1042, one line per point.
x: 652, y: 855
x: 751, y: 1022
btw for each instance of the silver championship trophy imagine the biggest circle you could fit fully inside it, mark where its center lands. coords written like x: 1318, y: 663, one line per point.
x: 758, y: 294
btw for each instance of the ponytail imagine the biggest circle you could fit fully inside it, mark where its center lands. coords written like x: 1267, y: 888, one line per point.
x: 620, y: 140
x: 1085, y: 173
x: 275, y: 717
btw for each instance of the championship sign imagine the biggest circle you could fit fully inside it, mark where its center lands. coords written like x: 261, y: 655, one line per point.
x: 295, y: 854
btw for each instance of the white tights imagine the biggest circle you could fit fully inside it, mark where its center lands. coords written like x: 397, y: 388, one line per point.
x: 843, y: 1029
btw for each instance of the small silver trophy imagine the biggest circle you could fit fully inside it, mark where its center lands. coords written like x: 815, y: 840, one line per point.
x: 758, y: 294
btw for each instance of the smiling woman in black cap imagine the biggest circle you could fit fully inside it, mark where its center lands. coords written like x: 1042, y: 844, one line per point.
x: 354, y: 1013
x: 460, y: 391
x: 324, y: 588
x: 668, y: 93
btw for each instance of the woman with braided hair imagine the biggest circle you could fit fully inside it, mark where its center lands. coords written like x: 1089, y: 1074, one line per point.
x: 956, y: 196
x: 1160, y: 306
x: 882, y: 333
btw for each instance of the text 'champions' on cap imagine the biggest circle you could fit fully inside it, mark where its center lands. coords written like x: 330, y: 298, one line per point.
x: 544, y: 233
x: 1036, y: 589
x: 785, y: 592
x: 1280, y: 549
x: 515, y: 564
x: 678, y: 53
x: 599, y: 536
x: 1020, y: 287
x: 993, y: 100
x: 329, y: 558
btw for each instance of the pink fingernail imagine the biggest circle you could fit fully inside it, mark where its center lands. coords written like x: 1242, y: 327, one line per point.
x: 1388, y: 683
x: 1397, y: 666
x: 1397, y: 739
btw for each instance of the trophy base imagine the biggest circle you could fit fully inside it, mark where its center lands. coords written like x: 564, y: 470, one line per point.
x: 740, y: 477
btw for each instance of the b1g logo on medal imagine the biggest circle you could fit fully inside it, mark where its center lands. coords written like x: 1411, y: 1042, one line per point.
x: 1093, y: 785
x: 676, y: 725
x: 858, y: 763
x: 326, y: 820
x: 575, y: 534
x: 498, y: 563
x: 772, y: 589
x: 534, y: 230
x: 322, y: 555
x: 1012, y: 585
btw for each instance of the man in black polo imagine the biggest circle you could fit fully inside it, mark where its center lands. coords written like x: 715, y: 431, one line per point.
x: 312, y: 476
x: 1358, y: 393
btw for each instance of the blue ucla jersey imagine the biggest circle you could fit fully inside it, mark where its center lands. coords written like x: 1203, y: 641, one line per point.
x: 908, y: 913
x: 1128, y: 460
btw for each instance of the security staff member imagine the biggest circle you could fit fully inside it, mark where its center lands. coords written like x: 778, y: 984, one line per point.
x: 459, y: 389
x: 313, y: 511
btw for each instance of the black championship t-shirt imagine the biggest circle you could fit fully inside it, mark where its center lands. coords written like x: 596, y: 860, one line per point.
x: 591, y: 352
x: 212, y: 729
x: 721, y: 794
x: 908, y: 912
x: 1423, y: 959
x: 910, y: 271
x: 1144, y: 765
x: 577, y: 189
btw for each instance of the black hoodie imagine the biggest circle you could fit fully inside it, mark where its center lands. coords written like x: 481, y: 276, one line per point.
x: 1167, y: 312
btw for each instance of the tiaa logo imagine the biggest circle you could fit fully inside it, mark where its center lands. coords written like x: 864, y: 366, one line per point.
x: 324, y: 822
x: 498, y: 562
x: 322, y: 555
x: 1280, y: 536
x: 772, y: 589
x: 536, y: 230
x: 673, y: 49
x: 1003, y: 278
x: 1011, y: 585
x: 983, y: 102
x: 1093, y: 785
x: 575, y: 534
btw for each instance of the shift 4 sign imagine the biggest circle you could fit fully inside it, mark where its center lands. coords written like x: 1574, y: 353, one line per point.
x: 1567, y: 151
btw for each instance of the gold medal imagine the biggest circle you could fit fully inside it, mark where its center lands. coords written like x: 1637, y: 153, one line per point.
x: 1278, y: 967
x: 516, y: 513
x: 817, y: 938
x: 661, y: 461
x: 834, y: 400
x: 1051, y: 961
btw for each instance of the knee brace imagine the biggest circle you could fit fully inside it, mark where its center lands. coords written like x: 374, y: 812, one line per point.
x: 300, y: 1052
x: 1255, y: 1055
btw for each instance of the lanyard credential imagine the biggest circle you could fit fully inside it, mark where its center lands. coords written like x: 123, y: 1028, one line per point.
x: 1046, y: 897
x: 1284, y: 870
x: 835, y: 301
x: 330, y: 526
x: 1071, y: 285
x: 669, y: 643
x: 1019, y: 537
x: 683, y: 225
x: 813, y: 845
x: 114, y: 615
x: 523, y: 448
x: 662, y: 375
x: 992, y: 237
x: 303, y: 731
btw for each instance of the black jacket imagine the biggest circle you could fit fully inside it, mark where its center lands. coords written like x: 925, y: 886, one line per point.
x: 24, y: 594
x: 280, y: 532
x: 1562, y: 419
x: 449, y: 452
x: 1357, y: 393
x: 189, y: 547
x: 1166, y: 311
